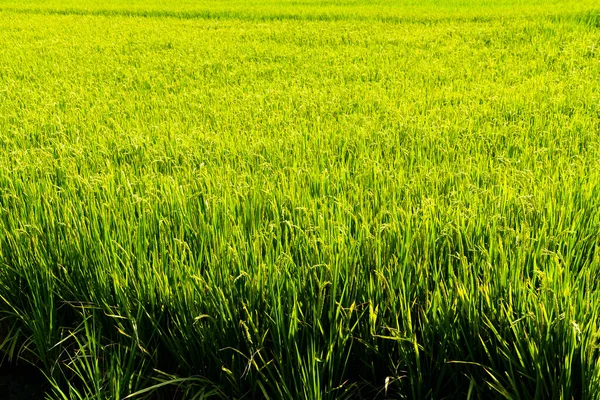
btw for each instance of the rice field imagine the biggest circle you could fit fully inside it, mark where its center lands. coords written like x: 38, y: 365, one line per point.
x: 301, y: 199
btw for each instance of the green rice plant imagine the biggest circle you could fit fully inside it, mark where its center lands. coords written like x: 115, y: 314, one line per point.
x: 320, y: 200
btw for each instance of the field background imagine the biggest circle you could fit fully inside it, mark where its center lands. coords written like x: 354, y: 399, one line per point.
x: 311, y: 9
x: 301, y: 199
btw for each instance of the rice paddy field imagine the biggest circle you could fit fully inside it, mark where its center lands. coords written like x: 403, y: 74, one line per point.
x: 301, y: 199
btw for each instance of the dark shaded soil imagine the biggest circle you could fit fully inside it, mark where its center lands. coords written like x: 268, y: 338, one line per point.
x: 21, y: 382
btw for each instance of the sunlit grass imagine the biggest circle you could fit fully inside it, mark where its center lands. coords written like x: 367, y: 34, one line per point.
x: 252, y: 206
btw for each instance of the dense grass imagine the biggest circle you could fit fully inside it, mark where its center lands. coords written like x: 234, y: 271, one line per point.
x: 321, y: 10
x: 294, y: 200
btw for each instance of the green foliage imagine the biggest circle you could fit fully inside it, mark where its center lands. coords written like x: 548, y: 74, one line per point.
x: 313, y: 199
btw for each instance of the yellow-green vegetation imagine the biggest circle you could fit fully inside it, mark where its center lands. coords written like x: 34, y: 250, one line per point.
x: 301, y: 199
